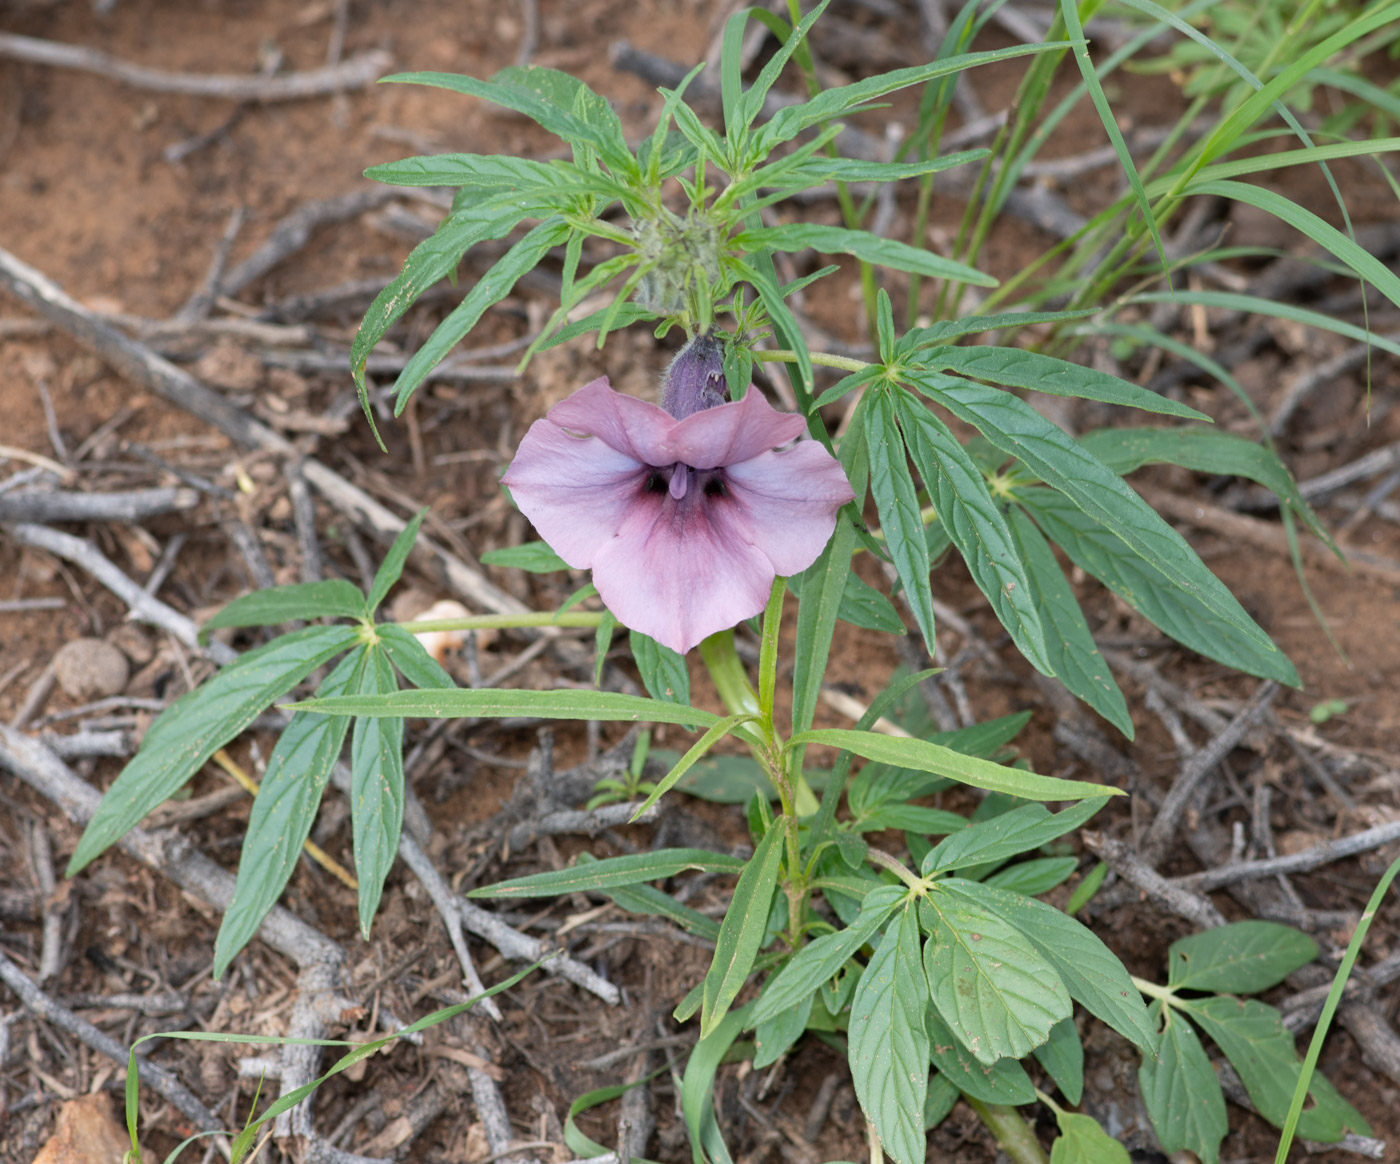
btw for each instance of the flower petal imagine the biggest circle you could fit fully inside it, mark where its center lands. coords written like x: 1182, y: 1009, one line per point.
x: 636, y: 428
x: 730, y: 433
x: 786, y: 502
x: 575, y: 490
x: 681, y: 572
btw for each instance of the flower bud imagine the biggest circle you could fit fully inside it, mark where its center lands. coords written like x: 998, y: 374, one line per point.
x: 695, y: 380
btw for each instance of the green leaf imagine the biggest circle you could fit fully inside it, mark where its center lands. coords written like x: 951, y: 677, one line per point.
x: 820, y: 959
x: 430, y: 261
x: 888, y: 1042
x: 988, y: 981
x: 774, y: 1036
x: 611, y: 872
x: 1018, y: 831
x: 927, y: 757
x: 684, y: 764
x: 914, y: 818
x: 815, y: 170
x: 1062, y: 1056
x: 1004, y: 1081
x: 602, y: 642
x: 1018, y: 430
x: 942, y: 1097
x: 664, y: 673
x: 1181, y: 1093
x: 751, y: 104
x: 1178, y: 612
x: 1365, y: 264
x: 487, y: 291
x: 391, y: 568
x: 820, y: 599
x: 788, y: 122
x: 495, y: 703
x: 1095, y: 977
x: 556, y: 101
x: 651, y: 902
x: 532, y: 557
x: 1083, y: 1141
x: 283, y: 812
x: 335, y: 598
x: 376, y: 790
x: 1253, y: 1038
x: 742, y: 931
x: 201, y: 722
x: 1243, y: 958
x: 412, y: 658
x: 621, y: 317
x: 945, y: 331
x: 492, y: 176
x: 1206, y: 450
x: 976, y: 526
x: 697, y: 1097
x: 1019, y: 368
x: 898, y: 505
x: 1075, y: 658
x: 885, y: 252
x: 1034, y: 877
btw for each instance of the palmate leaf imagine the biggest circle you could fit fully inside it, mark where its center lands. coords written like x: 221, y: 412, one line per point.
x: 897, y: 502
x: 1095, y: 978
x: 889, y: 1045
x: 741, y: 932
x: 1178, y: 612
x: 556, y: 101
x: 987, y: 981
x: 663, y: 671
x: 1019, y: 368
x: 1082, y: 1140
x: 976, y: 526
x: 1018, y: 831
x: 201, y: 722
x: 499, y: 703
x: 283, y: 812
x: 1181, y: 1092
x: 1255, y: 1041
x: 334, y: 598
x: 820, y: 959
x: 1019, y: 431
x: 376, y: 790
x: 633, y: 869
x: 1062, y: 1056
x: 1075, y: 657
x: 1004, y: 1081
x: 836, y: 240
x: 487, y: 291
x: 1243, y: 958
x: 940, y: 761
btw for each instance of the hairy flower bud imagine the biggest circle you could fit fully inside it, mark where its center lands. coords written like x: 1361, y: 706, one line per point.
x: 695, y: 379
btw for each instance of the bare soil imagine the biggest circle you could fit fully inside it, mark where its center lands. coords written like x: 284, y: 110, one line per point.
x: 90, y: 196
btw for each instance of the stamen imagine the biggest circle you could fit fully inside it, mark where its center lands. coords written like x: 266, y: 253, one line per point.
x: 680, y: 478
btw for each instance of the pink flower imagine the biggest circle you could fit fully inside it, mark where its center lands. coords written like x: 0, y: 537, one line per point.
x: 684, y: 522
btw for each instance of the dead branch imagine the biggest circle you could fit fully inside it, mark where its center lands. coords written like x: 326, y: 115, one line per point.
x: 359, y: 71
x: 295, y: 230
x: 1321, y: 854
x: 1123, y: 861
x: 60, y: 1016
x: 520, y: 947
x: 1164, y: 826
x: 144, y: 607
x: 60, y: 505
x: 576, y: 821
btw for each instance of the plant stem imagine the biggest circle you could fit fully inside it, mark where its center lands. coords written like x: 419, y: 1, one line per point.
x: 573, y: 618
x: 825, y: 359
x: 1012, y: 1133
x: 1152, y: 990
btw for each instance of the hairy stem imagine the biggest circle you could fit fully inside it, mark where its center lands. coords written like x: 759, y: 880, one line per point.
x: 1013, y: 1134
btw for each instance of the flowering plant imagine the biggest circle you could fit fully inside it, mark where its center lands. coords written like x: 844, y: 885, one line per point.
x: 939, y: 966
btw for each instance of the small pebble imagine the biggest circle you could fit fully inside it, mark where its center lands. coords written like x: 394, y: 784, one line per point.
x: 91, y: 669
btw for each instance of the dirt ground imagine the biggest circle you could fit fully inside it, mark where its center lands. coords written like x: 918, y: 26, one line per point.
x: 122, y: 196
